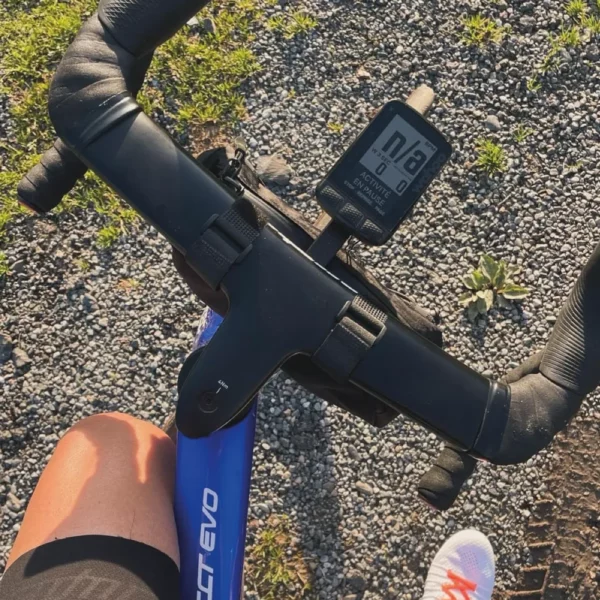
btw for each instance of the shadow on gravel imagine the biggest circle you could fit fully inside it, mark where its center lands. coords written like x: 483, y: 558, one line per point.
x: 307, y: 473
x: 480, y: 328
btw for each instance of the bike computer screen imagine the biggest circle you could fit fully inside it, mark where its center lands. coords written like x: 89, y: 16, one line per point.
x: 373, y: 186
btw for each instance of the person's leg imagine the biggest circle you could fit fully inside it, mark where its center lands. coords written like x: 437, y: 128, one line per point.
x: 105, y: 501
x: 463, y: 569
x: 111, y: 474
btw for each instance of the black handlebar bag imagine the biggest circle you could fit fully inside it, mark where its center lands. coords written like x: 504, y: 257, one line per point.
x: 300, y: 231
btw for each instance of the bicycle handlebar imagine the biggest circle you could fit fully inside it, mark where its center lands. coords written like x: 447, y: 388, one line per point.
x: 572, y: 357
x: 93, y: 110
x: 546, y: 391
x: 543, y: 403
x: 59, y: 169
x: 51, y: 179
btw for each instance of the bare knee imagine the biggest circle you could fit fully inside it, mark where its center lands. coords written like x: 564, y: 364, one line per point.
x: 118, y: 439
x: 111, y: 474
x: 111, y: 422
x: 115, y: 428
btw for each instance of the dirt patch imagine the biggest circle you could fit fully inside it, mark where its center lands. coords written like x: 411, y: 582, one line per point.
x: 563, y: 535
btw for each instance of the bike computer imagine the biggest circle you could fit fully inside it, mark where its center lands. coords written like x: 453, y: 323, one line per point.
x: 373, y: 186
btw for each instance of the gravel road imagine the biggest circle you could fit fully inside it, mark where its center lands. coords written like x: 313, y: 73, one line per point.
x: 112, y: 335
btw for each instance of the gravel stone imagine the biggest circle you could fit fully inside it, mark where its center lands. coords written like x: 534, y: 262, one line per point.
x: 274, y: 169
x: 209, y: 26
x: 364, y: 488
x: 357, y: 581
x: 493, y: 123
x: 527, y: 22
x: 5, y: 347
x: 362, y: 73
x: 18, y: 266
x: 593, y: 52
x: 20, y: 358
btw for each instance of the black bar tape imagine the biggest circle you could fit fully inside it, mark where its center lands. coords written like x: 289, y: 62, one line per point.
x: 53, y: 177
x: 544, y: 401
x: 440, y: 486
x: 572, y: 356
x: 59, y: 169
x: 142, y: 25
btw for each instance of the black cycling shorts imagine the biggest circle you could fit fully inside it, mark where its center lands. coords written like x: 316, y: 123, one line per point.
x: 92, y: 567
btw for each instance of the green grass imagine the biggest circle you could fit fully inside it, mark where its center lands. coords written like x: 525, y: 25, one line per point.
x: 576, y: 9
x: 82, y: 264
x: 108, y: 235
x: 569, y: 37
x: 335, y: 127
x: 534, y: 84
x: 572, y: 167
x: 521, y: 133
x: 583, y: 26
x: 200, y: 77
x: 591, y: 23
x: 479, y: 31
x: 292, y: 24
x: 3, y: 264
x: 490, y: 157
x: 275, y: 566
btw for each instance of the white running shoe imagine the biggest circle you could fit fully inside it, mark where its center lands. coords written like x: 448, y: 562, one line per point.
x: 463, y: 569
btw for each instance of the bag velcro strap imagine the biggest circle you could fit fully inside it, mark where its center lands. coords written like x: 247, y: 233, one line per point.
x: 225, y: 241
x: 359, y: 326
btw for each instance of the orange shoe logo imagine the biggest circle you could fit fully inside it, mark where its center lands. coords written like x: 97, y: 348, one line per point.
x: 458, y: 584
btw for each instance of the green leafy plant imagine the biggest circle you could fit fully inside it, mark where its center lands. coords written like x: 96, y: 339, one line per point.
x: 479, y: 31
x: 3, y: 264
x: 275, y: 565
x: 521, y: 133
x: 490, y: 156
x: 491, y: 283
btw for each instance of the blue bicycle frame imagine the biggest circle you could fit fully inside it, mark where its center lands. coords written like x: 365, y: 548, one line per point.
x: 211, y: 501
